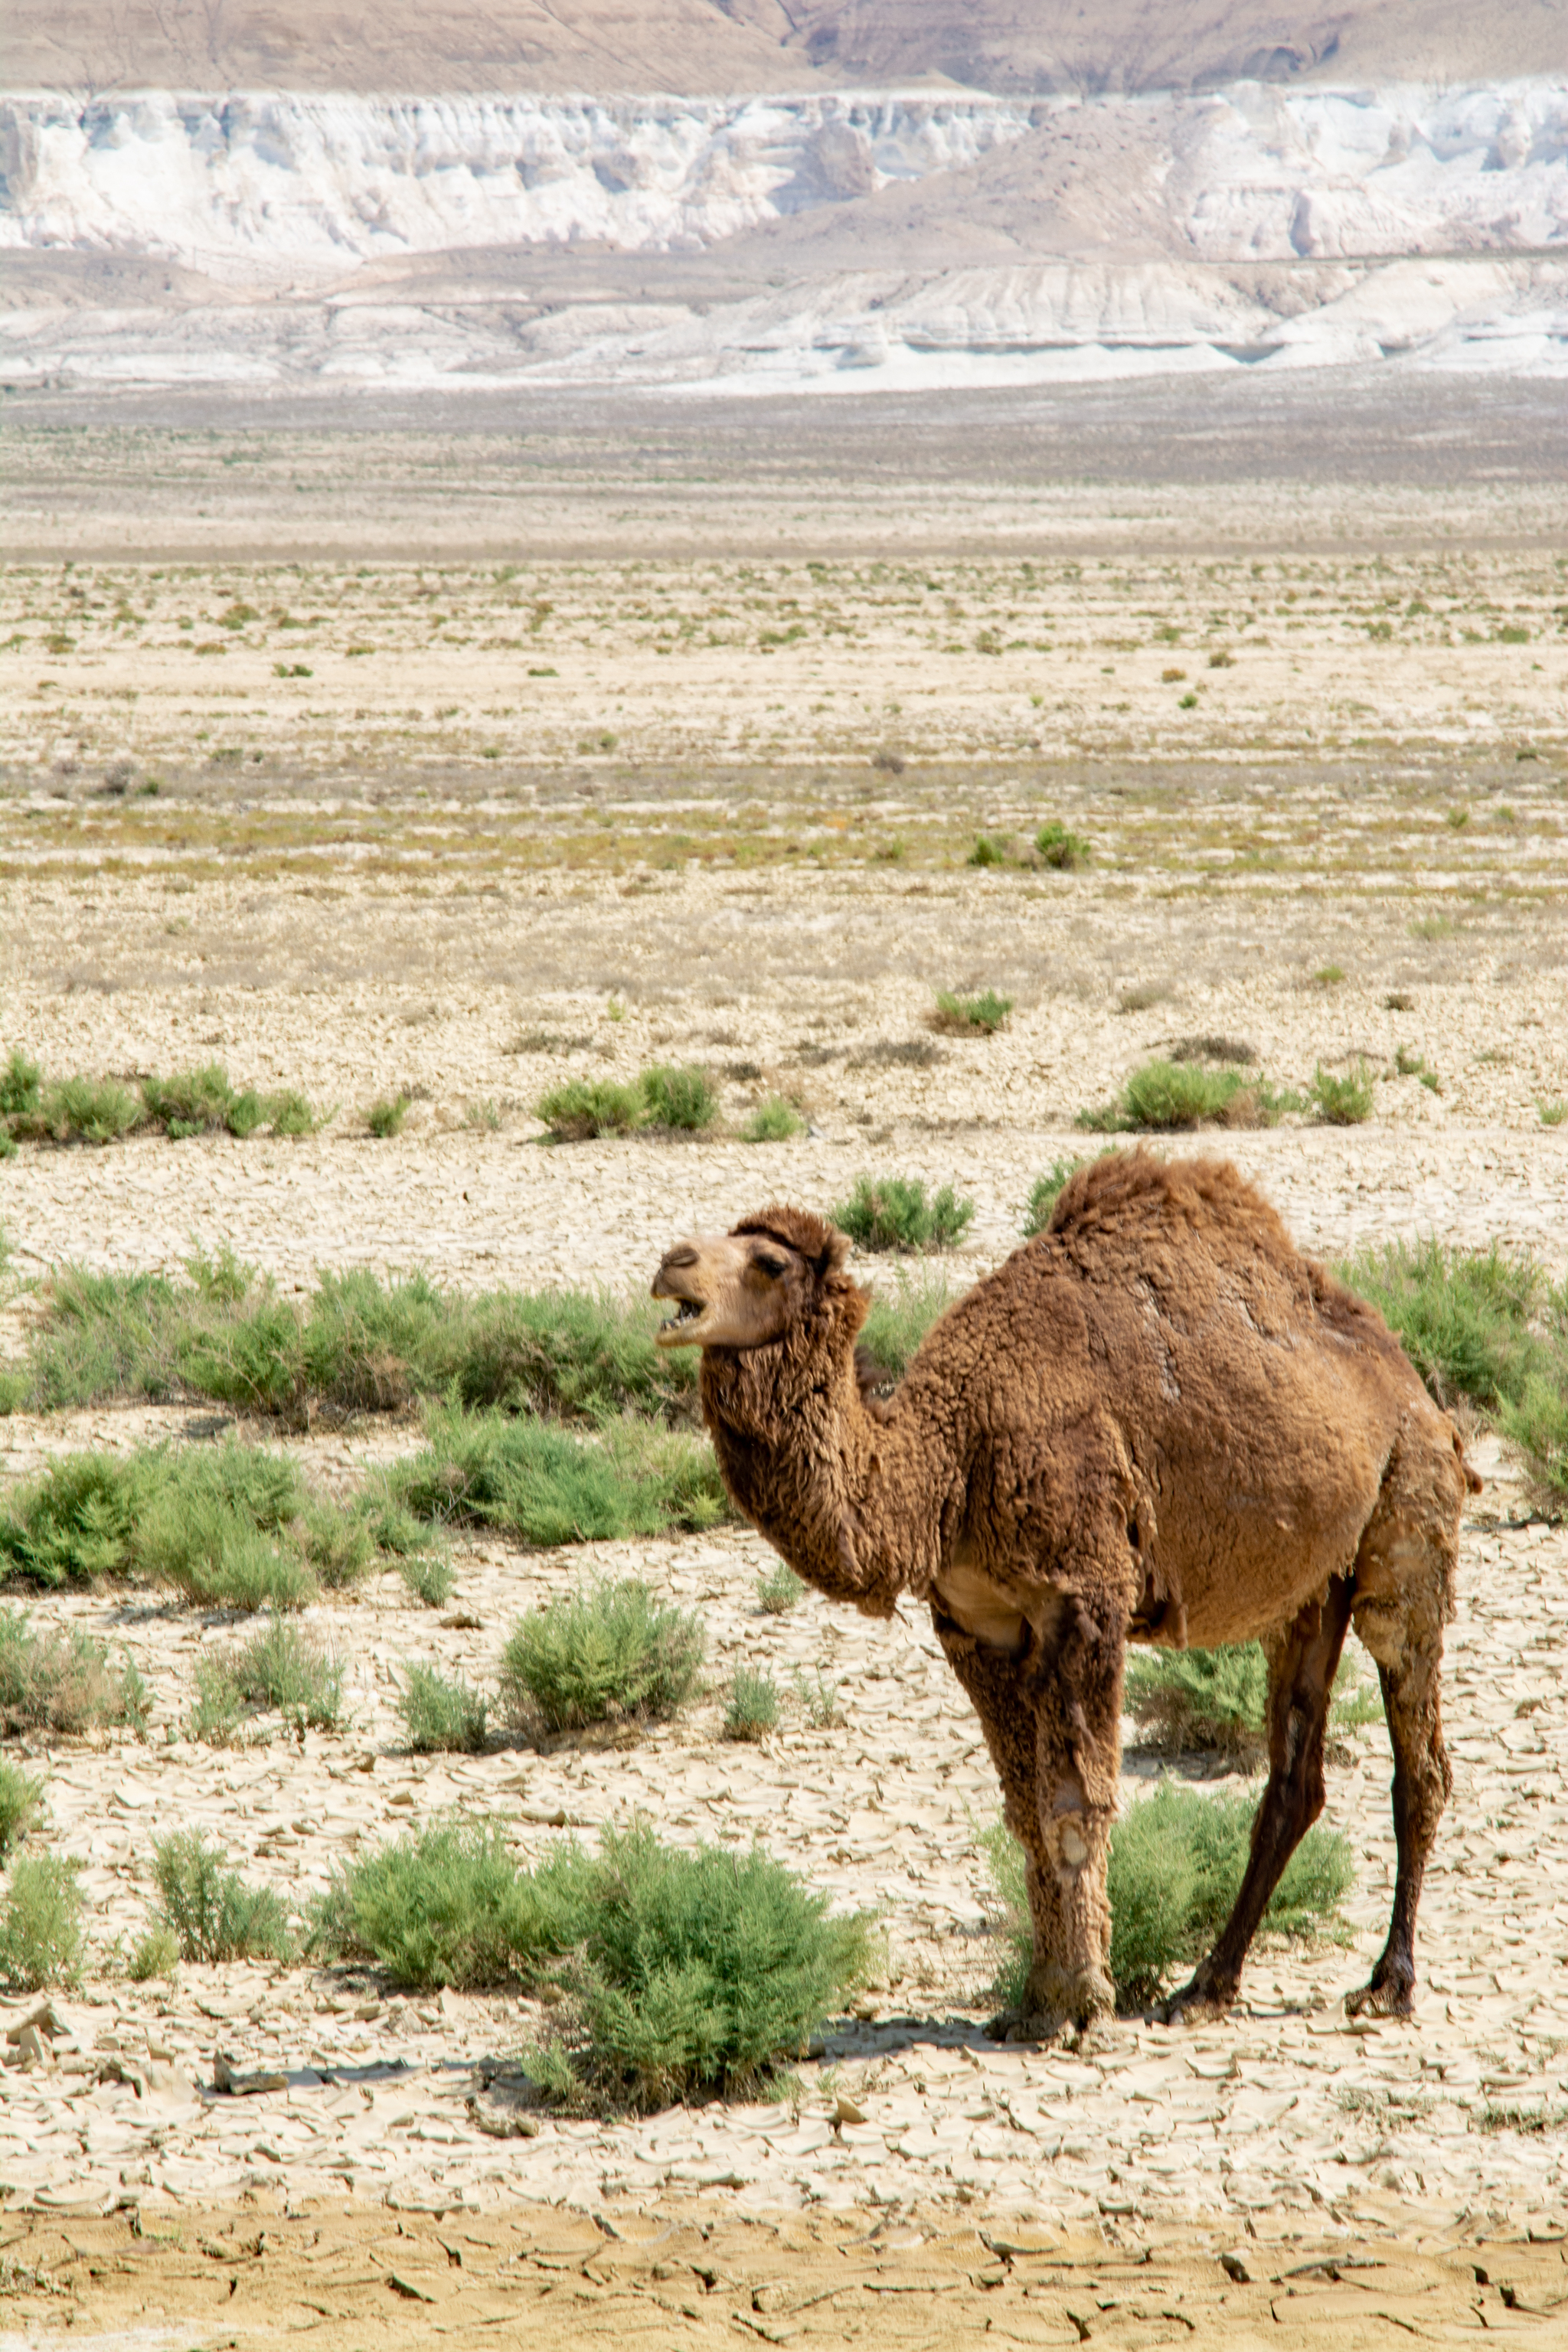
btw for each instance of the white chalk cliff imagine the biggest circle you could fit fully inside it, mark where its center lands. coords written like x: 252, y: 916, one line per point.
x: 776, y: 243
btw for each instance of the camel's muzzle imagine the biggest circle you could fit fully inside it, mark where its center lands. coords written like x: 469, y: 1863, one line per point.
x: 675, y: 1280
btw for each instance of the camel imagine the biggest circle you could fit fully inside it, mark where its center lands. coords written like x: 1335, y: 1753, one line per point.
x: 1156, y: 1422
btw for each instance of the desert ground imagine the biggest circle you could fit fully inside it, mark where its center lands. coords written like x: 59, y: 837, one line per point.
x: 381, y: 761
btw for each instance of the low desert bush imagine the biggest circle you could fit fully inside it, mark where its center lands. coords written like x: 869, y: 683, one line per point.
x: 21, y: 1807
x: 1177, y: 1859
x: 102, y: 1110
x: 1551, y: 1114
x: 581, y: 1109
x: 892, y: 1213
x: 818, y: 1699
x: 1342, y: 1101
x: 606, y: 1652
x: 550, y: 1485
x: 21, y: 1084
x: 1213, y: 1701
x: 753, y: 1708
x: 386, y: 1117
x: 60, y: 1681
x: 1171, y: 1096
x: 41, y: 1933
x: 203, y: 1102
x: 80, y: 1110
x: 279, y: 1669
x: 899, y: 1321
x: 987, y: 851
x: 227, y: 1527
x: 429, y: 1577
x: 779, y: 1590
x: 155, y: 1953
x: 1067, y: 852
x: 678, y: 1098
x: 212, y: 1915
x: 1047, y: 1190
x: 357, y: 1344
x: 675, y: 1974
x: 970, y: 1016
x: 441, y: 1718
x: 773, y: 1121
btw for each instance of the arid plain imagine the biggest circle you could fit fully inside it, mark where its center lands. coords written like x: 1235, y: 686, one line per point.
x: 449, y: 764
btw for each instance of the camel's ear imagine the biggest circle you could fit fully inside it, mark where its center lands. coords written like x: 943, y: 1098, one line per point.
x: 821, y: 1244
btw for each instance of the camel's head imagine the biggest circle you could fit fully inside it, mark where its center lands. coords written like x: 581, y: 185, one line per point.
x: 745, y: 1289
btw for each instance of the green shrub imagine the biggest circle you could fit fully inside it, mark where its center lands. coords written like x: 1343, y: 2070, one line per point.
x: 439, y: 1717
x: 21, y: 1082
x: 988, y: 851
x: 605, y: 1653
x: 279, y: 1668
x: 358, y: 1346
x: 386, y: 1117
x: 683, y: 1973
x: 211, y: 1912
x: 1342, y: 1102
x: 753, y: 1708
x: 779, y: 1590
x: 203, y: 1102
x: 980, y: 1015
x: 1171, y: 1097
x: 900, y: 1320
x: 227, y: 1527
x: 21, y: 1807
x: 892, y: 1213
x: 80, y: 1111
x: 1464, y: 1317
x: 683, y: 1098
x: 1058, y: 847
x: 551, y: 1485
x: 1177, y: 1859
x: 61, y: 1682
x: 1211, y: 1699
x: 583, y: 1107
x: 41, y: 1935
x: 1047, y: 1190
x: 1537, y: 1423
x: 773, y: 1121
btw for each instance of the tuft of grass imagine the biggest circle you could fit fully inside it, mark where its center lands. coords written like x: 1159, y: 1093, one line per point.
x: 677, y: 1975
x: 777, y: 1591
x: 1177, y: 1858
x: 1552, y: 1114
x: 899, y: 1322
x: 155, y: 1953
x: 439, y: 1717
x: 21, y: 1807
x: 210, y: 1912
x: 980, y: 1015
x: 892, y: 1213
x: 818, y: 1701
x: 1415, y: 1066
x: 1047, y: 1190
x: 1164, y: 1097
x: 987, y: 851
x: 227, y: 1527
x: 80, y: 1111
x: 753, y: 1708
x: 606, y: 1652
x: 41, y: 1933
x: 1328, y: 975
x: 552, y: 1485
x: 429, y: 1577
x: 581, y: 1109
x: 280, y: 1668
x: 680, y: 1099
x: 1342, y: 1102
x: 60, y: 1682
x: 1067, y: 852
x: 773, y: 1121
x: 21, y: 1084
x: 386, y: 1117
x: 357, y: 1346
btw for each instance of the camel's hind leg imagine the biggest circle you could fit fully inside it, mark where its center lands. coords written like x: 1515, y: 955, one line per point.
x: 1303, y: 1662
x: 1403, y: 1598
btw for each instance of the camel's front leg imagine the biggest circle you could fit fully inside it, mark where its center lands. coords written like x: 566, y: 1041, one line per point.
x: 1077, y: 1760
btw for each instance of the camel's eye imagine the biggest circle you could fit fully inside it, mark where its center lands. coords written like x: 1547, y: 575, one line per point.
x: 770, y: 1264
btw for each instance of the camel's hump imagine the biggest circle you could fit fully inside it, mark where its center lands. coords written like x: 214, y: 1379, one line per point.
x: 1131, y: 1193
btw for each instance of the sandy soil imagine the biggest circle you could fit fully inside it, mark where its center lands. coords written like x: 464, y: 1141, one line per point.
x: 371, y: 914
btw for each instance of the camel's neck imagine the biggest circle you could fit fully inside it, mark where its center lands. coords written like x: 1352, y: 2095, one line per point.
x: 855, y: 1503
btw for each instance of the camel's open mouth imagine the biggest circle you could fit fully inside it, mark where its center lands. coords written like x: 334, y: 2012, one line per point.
x: 677, y: 1331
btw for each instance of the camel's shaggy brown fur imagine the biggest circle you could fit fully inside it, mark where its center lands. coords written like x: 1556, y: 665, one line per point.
x: 1156, y: 1421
